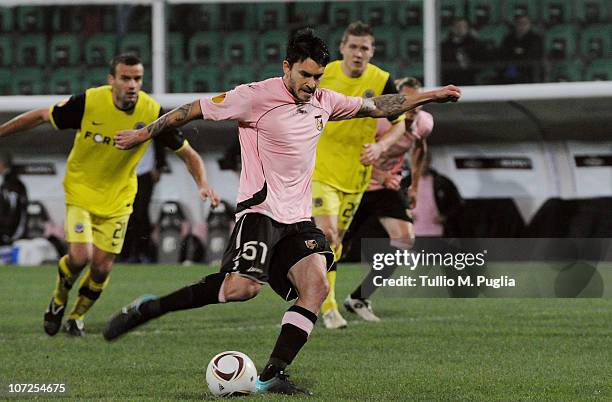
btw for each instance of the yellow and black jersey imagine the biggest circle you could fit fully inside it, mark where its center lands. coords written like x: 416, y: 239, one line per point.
x: 99, y: 177
x: 341, y: 143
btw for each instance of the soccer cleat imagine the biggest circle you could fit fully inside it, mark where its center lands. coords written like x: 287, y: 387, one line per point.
x: 361, y: 307
x: 279, y: 384
x: 333, y: 319
x: 74, y: 327
x: 126, y: 319
x: 53, y: 317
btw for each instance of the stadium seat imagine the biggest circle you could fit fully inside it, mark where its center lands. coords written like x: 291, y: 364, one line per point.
x: 6, y: 19
x: 175, y: 45
x: 194, y: 17
x: 64, y: 50
x: 557, y: 12
x: 484, y: 12
x: 592, y: 11
x: 204, y: 79
x: 392, y: 68
x: 272, y: 16
x: 238, y: 48
x: 139, y: 44
x: 67, y: 19
x: 560, y: 41
x: 595, y: 41
x: 236, y: 76
x: 28, y: 81
x: 100, y: 49
x: 333, y: 43
x: 65, y: 81
x: 451, y: 9
x: 207, y: 17
x: 271, y: 47
x: 342, y: 13
x: 175, y: 79
x: 31, y: 50
x: 6, y: 81
x: 306, y: 13
x: 412, y: 70
x: 95, y: 77
x: 270, y: 71
x: 411, y: 45
x: 386, y: 45
x: 599, y: 70
x: 515, y: 8
x: 492, y: 35
x: 566, y: 71
x: 240, y: 17
x: 410, y: 13
x: 6, y: 50
x: 205, y: 48
x: 29, y: 19
x: 378, y: 13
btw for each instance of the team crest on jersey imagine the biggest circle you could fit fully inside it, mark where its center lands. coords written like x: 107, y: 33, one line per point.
x: 78, y: 228
x: 311, y: 244
x: 318, y: 202
x: 369, y: 93
x: 219, y: 98
x: 139, y: 125
x: 319, y: 122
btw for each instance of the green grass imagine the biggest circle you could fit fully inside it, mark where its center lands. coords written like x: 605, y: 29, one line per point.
x: 423, y: 350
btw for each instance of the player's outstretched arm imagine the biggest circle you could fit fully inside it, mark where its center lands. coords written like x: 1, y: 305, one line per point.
x: 395, y: 104
x: 24, y: 121
x: 194, y: 164
x: 173, y: 119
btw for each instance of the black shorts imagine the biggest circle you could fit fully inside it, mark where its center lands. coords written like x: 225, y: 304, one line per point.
x: 384, y: 203
x: 264, y: 250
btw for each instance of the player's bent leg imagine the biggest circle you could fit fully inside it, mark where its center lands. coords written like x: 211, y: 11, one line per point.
x: 69, y: 268
x: 329, y: 226
x: 401, y: 234
x: 213, y: 289
x: 308, y: 277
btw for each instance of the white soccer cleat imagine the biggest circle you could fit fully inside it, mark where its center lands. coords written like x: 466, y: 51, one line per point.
x: 360, y: 307
x: 333, y: 320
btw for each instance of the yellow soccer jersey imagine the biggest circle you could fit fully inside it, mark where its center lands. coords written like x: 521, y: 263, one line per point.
x: 99, y: 177
x: 341, y: 143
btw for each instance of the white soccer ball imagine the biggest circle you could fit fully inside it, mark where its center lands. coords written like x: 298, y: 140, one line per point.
x: 231, y: 374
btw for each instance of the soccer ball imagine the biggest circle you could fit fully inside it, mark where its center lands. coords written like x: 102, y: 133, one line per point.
x: 231, y: 374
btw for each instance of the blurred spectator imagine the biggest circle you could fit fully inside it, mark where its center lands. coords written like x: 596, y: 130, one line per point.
x: 521, y: 53
x: 137, y: 246
x: 13, y: 202
x: 438, y: 204
x: 461, y: 52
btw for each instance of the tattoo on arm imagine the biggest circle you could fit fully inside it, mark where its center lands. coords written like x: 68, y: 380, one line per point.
x: 389, y: 105
x: 173, y: 119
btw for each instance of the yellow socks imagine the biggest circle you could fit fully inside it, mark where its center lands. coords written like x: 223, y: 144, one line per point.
x: 65, y: 280
x: 89, y: 292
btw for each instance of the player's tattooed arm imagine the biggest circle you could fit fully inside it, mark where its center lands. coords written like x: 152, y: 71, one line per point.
x: 395, y: 104
x: 175, y: 118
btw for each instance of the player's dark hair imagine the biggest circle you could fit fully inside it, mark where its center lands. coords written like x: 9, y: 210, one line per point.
x: 129, y: 59
x: 303, y: 45
x: 407, y: 82
x: 357, y: 28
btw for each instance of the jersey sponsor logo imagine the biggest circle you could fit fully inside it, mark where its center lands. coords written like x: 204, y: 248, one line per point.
x: 368, y: 93
x: 311, y: 244
x: 219, y: 98
x: 319, y: 122
x: 99, y: 138
x: 79, y: 228
x: 96, y: 123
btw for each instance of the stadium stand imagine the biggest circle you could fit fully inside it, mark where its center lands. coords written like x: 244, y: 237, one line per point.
x: 484, y: 12
x: 28, y: 81
x: 65, y: 81
x: 64, y: 50
x: 410, y: 13
x: 31, y: 50
x: 6, y: 19
x: 205, y: 48
x: 99, y: 49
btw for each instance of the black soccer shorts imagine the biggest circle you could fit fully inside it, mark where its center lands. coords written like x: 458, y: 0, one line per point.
x: 264, y: 250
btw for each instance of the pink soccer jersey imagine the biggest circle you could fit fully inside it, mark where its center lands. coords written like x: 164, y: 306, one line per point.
x: 278, y: 139
x: 394, y: 157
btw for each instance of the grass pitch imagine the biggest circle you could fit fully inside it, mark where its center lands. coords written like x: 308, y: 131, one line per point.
x: 423, y: 350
